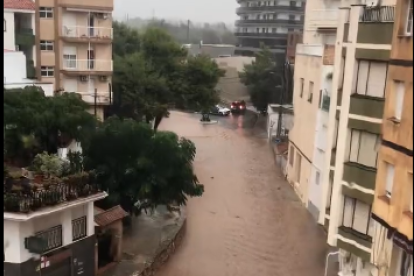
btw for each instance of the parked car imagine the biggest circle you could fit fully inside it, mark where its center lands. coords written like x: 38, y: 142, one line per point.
x: 238, y: 107
x: 220, y: 110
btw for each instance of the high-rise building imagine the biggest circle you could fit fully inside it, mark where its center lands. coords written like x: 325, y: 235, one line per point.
x: 267, y: 23
x: 392, y: 209
x: 74, y: 48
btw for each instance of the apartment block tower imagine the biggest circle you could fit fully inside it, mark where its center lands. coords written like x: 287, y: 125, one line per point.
x: 75, y: 48
x: 392, y: 210
x: 267, y: 23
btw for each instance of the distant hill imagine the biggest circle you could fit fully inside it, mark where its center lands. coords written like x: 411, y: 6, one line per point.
x: 209, y: 33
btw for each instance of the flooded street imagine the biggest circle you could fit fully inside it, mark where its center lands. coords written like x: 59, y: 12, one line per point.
x: 249, y: 221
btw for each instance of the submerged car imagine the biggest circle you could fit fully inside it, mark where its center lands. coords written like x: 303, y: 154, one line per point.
x: 220, y: 110
x: 238, y: 107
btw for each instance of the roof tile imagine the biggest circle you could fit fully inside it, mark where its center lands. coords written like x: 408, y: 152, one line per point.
x: 19, y: 4
x: 109, y: 216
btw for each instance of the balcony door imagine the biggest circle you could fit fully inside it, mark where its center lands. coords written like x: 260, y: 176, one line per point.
x: 69, y: 24
x: 69, y: 57
x: 91, y: 25
x: 91, y: 59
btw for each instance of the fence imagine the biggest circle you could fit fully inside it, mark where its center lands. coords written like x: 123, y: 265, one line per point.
x: 378, y: 14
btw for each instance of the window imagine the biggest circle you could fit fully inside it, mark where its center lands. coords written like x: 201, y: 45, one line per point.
x: 389, y: 179
x: 317, y: 178
x: 79, y: 230
x: 46, y: 45
x: 47, y: 71
x: 310, y: 95
x: 363, y: 148
x: 357, y: 216
x: 45, y: 12
x: 53, y: 236
x: 399, y: 99
x: 69, y: 61
x: 409, y: 21
x: 302, y: 83
x: 370, y: 78
x: 291, y: 155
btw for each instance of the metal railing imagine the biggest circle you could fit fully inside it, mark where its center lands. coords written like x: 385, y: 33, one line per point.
x: 87, y: 65
x: 378, y: 14
x: 30, y: 199
x: 87, y: 32
x: 101, y: 97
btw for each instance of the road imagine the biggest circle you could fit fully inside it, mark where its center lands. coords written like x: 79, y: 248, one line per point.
x: 249, y: 222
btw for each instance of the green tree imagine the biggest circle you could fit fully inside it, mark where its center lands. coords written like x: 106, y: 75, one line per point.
x: 36, y: 123
x: 267, y: 78
x: 160, y: 75
x: 126, y: 40
x: 140, y: 168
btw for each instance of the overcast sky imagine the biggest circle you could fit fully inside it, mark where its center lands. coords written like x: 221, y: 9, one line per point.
x: 195, y: 10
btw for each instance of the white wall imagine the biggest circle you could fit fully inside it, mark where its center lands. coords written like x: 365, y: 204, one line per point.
x: 14, y: 67
x: 272, y: 121
x: 15, y: 232
x: 9, y: 37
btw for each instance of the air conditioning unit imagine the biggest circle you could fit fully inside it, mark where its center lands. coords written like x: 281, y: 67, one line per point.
x: 103, y: 16
x: 103, y: 78
x: 83, y: 78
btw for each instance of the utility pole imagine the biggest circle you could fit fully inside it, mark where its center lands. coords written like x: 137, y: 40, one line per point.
x: 188, y: 31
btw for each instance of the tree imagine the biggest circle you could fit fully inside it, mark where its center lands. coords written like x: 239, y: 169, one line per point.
x: 160, y: 75
x: 267, y: 78
x: 36, y: 123
x: 126, y: 40
x: 140, y: 168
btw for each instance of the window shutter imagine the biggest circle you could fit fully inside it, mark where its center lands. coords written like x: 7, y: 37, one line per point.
x: 376, y: 79
x: 367, y: 150
x: 348, y: 212
x: 362, y: 77
x: 361, y: 217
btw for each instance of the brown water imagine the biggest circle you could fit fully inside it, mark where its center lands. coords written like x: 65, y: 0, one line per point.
x: 248, y: 222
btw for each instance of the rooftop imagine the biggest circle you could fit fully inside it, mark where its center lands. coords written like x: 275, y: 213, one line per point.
x: 19, y: 4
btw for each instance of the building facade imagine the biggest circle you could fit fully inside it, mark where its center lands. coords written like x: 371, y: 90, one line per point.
x: 50, y: 235
x: 19, y: 31
x: 356, y: 112
x: 267, y: 23
x: 75, y: 48
x: 392, y: 250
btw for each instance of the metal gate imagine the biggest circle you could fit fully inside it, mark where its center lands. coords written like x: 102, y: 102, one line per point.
x: 62, y: 268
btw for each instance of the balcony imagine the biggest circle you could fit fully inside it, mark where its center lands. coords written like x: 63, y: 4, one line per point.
x: 244, y: 22
x: 375, y: 20
x: 275, y: 8
x: 361, y: 175
x: 87, y: 34
x: 363, y: 105
x: 25, y: 37
x: 359, y: 238
x: 102, y: 98
x: 78, y: 67
x: 324, y: 19
x: 262, y: 35
x: 107, y: 5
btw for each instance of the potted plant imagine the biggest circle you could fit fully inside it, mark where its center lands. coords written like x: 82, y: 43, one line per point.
x: 48, y: 165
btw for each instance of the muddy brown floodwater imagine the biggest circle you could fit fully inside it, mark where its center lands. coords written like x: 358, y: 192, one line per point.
x: 249, y: 221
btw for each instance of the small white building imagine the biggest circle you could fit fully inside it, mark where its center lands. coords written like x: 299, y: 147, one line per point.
x: 15, y: 73
x: 273, y: 118
x: 50, y: 231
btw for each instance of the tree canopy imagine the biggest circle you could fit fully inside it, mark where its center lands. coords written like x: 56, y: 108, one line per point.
x: 266, y: 78
x: 140, y: 168
x: 159, y: 75
x: 35, y: 123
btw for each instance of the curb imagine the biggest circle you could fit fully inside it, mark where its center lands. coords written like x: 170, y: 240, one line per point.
x: 165, y: 253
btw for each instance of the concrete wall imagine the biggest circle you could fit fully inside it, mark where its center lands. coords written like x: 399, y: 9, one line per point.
x: 9, y: 35
x: 16, y: 231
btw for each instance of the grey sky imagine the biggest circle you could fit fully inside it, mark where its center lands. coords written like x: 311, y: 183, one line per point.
x: 195, y: 10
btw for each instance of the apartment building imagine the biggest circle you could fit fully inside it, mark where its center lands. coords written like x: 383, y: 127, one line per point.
x: 267, y: 23
x: 75, y: 48
x: 314, y: 66
x: 356, y: 112
x: 19, y: 31
x: 392, y: 211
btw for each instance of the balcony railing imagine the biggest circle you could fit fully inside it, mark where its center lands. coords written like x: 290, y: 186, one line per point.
x: 256, y: 34
x: 244, y: 10
x: 25, y: 37
x: 87, y: 32
x: 102, y: 98
x: 324, y: 18
x: 269, y: 21
x: 29, y: 199
x: 97, y: 65
x: 378, y: 14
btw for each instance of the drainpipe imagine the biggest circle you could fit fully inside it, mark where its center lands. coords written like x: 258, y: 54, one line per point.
x: 327, y: 261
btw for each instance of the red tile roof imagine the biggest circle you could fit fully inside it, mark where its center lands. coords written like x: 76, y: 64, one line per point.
x: 19, y: 4
x: 109, y: 216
